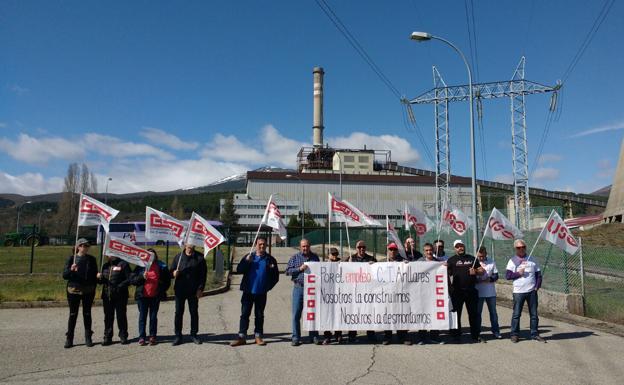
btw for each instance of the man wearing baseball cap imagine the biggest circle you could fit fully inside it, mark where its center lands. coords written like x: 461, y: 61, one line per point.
x: 462, y: 272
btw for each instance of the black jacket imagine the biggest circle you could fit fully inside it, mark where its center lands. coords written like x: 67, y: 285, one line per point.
x: 115, y: 279
x: 271, y: 269
x: 85, y: 279
x: 459, y: 277
x: 164, y: 280
x: 191, y: 273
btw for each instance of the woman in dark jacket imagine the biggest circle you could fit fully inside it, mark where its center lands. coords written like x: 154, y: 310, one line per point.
x: 115, y: 278
x: 80, y: 273
x: 151, y: 286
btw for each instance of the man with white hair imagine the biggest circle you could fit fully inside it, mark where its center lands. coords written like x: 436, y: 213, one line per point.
x: 527, y: 279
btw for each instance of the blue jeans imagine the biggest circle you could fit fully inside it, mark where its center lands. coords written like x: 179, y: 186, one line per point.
x: 148, y: 306
x: 297, y: 309
x: 258, y: 303
x: 491, y: 304
x: 518, y: 303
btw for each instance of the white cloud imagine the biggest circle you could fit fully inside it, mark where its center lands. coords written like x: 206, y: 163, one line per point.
x: 549, y: 158
x: 231, y: 149
x: 401, y: 150
x: 596, y: 130
x: 278, y: 148
x: 117, y: 148
x: 39, y: 150
x: 19, y: 90
x: 29, y: 184
x: 504, y: 178
x: 545, y: 174
x: 161, y: 137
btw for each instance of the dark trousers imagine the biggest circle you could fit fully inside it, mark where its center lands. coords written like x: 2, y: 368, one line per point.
x: 148, y: 306
x: 258, y: 303
x: 518, y: 303
x: 470, y: 297
x: 401, y: 335
x: 337, y: 334
x: 73, y: 300
x: 111, y: 307
x: 424, y: 335
x: 370, y: 334
x: 179, y: 313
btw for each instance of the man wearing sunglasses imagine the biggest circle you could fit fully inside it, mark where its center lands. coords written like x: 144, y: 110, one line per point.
x: 527, y: 279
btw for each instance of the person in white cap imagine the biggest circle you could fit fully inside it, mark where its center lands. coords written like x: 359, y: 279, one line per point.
x: 462, y: 271
x: 527, y: 279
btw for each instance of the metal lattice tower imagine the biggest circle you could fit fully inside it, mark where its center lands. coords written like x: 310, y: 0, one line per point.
x: 520, y: 161
x: 443, y: 155
x: 515, y: 89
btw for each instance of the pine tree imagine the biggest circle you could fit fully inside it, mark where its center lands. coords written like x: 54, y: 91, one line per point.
x: 228, y: 214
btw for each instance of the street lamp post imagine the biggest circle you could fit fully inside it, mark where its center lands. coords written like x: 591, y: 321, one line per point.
x: 106, y: 193
x: 19, y: 209
x: 302, y: 203
x: 424, y: 36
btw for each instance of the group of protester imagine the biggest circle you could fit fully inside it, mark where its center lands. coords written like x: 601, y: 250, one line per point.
x: 471, y: 282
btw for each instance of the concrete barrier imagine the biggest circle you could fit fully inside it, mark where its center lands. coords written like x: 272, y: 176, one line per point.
x: 553, y: 302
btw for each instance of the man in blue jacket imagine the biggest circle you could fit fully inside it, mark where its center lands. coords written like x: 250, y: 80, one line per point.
x: 260, y: 274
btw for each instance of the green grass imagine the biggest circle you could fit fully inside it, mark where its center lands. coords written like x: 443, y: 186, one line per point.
x: 50, y: 261
x: 604, y: 300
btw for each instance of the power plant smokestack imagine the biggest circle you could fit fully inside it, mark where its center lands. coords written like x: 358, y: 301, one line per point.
x: 317, y: 128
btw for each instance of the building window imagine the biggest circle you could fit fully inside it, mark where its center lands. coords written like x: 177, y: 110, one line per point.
x: 349, y: 158
x: 363, y: 159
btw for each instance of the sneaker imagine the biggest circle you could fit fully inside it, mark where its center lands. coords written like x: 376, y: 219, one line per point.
x: 326, y: 341
x: 436, y: 342
x: 142, y: 342
x: 88, y: 341
x: 340, y: 340
x: 124, y: 340
x: 386, y: 341
x: 538, y: 339
x: 107, y: 341
x: 498, y: 336
x: 478, y: 340
x: 152, y: 340
x: 196, y: 340
x: 515, y: 339
x: 69, y: 342
x: 407, y: 342
x: 260, y: 341
x: 295, y: 343
x: 177, y: 341
x: 238, y: 342
x: 421, y: 342
x: 316, y: 341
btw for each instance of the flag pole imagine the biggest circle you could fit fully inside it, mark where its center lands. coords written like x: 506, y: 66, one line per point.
x: 348, y: 241
x: 260, y: 225
x: 77, y: 230
x: 539, y: 235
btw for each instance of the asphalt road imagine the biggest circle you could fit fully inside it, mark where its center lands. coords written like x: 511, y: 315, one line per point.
x: 32, y: 352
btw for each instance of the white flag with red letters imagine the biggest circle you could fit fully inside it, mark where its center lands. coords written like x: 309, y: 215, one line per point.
x: 394, y: 237
x: 556, y: 232
x: 343, y: 211
x: 418, y: 219
x: 500, y: 228
x: 201, y: 233
x: 455, y: 219
x: 273, y: 218
x: 92, y: 212
x: 162, y: 227
x: 128, y: 251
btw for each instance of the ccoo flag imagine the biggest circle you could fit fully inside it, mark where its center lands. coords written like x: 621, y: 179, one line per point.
x: 92, y: 212
x: 500, y: 228
x: 456, y: 219
x: 418, y: 219
x: 128, y: 251
x: 556, y: 232
x: 160, y: 226
x: 201, y: 233
x: 343, y: 211
x: 273, y: 218
x: 394, y: 237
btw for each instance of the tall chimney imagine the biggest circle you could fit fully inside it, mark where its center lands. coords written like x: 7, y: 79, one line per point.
x: 317, y: 128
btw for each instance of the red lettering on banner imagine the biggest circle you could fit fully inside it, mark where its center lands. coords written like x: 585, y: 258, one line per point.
x: 439, y: 278
x: 439, y: 302
x: 439, y: 290
x: 157, y: 221
x: 88, y: 207
x: 311, y: 278
x: 341, y: 207
x: 311, y: 291
x: 421, y: 228
x: 498, y: 227
x: 441, y: 315
x: 273, y: 208
x: 126, y: 249
x: 459, y: 226
x: 311, y: 303
x: 562, y: 232
x: 310, y: 316
x: 210, y: 239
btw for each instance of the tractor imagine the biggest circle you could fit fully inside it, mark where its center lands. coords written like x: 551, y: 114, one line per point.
x: 28, y: 236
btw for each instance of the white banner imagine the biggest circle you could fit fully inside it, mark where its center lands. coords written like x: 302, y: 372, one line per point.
x: 201, y: 233
x: 273, y: 218
x: 92, y: 212
x: 128, y: 251
x: 394, y: 237
x: 380, y: 296
x: 500, y: 228
x: 418, y: 219
x: 343, y: 211
x: 456, y: 219
x: 162, y: 227
x: 556, y: 232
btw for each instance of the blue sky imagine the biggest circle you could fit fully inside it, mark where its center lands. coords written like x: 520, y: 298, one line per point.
x: 161, y: 95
